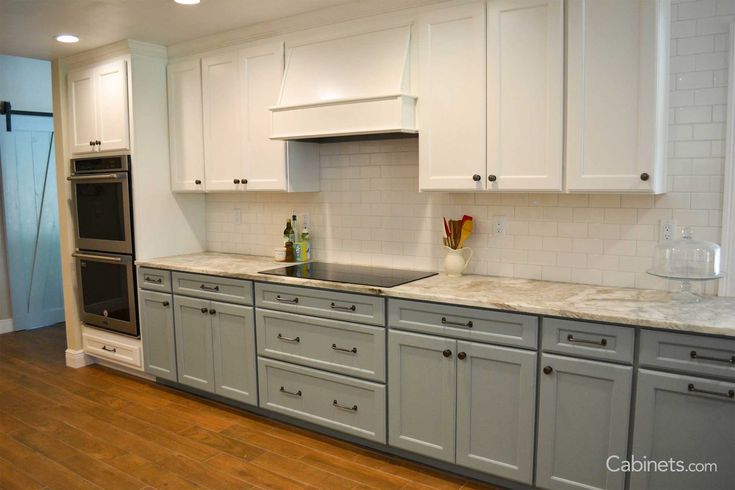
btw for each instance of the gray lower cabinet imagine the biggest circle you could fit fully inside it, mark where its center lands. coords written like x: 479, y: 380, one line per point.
x: 233, y: 336
x: 496, y: 410
x: 583, y: 414
x: 687, y: 419
x: 422, y: 386
x: 157, y: 329
x: 194, y: 349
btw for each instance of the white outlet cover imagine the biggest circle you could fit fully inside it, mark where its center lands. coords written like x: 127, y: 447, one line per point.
x: 500, y: 225
x: 668, y: 230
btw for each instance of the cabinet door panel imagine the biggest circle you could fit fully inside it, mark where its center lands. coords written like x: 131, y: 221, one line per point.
x: 673, y: 422
x: 616, y: 87
x: 82, y: 110
x: 233, y: 332
x: 452, y: 98
x: 157, y: 329
x: 496, y: 405
x: 422, y: 394
x: 583, y: 414
x: 194, y: 356
x: 111, y: 85
x: 221, y: 103
x: 264, y: 160
x: 186, y: 138
x: 525, y: 94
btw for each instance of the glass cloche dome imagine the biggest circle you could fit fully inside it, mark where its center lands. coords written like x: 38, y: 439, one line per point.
x: 687, y: 259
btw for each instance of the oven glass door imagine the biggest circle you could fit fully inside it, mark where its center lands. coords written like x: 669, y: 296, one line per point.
x: 107, y: 291
x: 102, y: 210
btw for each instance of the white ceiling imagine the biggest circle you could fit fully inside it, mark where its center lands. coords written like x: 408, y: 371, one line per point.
x: 28, y: 27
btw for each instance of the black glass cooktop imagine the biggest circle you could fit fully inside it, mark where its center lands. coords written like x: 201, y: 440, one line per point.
x: 353, y: 274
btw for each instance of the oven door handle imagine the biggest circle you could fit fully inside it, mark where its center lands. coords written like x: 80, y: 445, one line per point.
x: 73, y: 178
x: 101, y: 258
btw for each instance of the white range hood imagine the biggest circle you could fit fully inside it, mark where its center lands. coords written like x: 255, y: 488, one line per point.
x: 353, y: 85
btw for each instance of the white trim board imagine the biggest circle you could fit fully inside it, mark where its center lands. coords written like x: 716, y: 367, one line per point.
x: 727, y: 285
x: 77, y: 358
x: 7, y: 326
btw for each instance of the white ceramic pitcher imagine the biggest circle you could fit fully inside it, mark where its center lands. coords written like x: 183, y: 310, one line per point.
x: 455, y: 262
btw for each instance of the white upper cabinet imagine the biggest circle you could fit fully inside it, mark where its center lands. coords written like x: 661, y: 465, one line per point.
x: 525, y: 94
x: 98, y: 108
x: 616, y: 95
x: 221, y: 96
x: 185, y: 126
x: 451, y: 103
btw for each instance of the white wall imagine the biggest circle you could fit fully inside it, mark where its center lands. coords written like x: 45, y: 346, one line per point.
x: 26, y: 83
x: 370, y: 212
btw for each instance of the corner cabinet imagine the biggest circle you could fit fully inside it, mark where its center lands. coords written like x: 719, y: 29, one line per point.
x: 98, y: 108
x: 220, y: 125
x: 617, y: 79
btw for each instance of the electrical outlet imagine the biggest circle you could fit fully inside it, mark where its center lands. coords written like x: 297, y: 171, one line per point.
x: 500, y: 225
x: 668, y: 230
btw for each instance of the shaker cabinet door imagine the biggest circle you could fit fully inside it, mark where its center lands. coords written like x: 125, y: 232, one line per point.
x: 496, y: 410
x: 233, y: 336
x: 194, y: 354
x: 583, y: 414
x: 186, y: 137
x: 157, y: 330
x: 422, y: 394
x: 82, y: 110
x: 452, y: 98
x: 687, y: 419
x: 111, y: 85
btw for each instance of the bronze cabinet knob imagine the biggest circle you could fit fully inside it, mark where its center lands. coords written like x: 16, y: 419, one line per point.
x: 447, y: 353
x: 476, y: 178
x: 236, y: 181
x: 645, y: 176
x: 548, y: 370
x: 461, y: 356
x: 492, y: 178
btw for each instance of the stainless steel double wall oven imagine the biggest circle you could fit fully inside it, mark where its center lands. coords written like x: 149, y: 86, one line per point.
x: 103, y: 212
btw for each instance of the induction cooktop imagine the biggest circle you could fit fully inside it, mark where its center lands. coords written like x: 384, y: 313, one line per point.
x: 353, y: 274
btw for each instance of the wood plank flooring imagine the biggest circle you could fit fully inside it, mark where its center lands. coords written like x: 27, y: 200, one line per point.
x: 94, y: 428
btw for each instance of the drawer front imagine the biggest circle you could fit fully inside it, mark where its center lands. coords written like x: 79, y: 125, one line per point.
x: 358, y: 308
x: 341, y: 347
x: 338, y: 402
x: 689, y: 353
x: 464, y: 323
x: 154, y: 279
x: 224, y: 289
x: 584, y: 339
x: 116, y: 350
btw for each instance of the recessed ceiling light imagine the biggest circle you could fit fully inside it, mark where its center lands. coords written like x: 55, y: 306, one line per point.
x: 67, y: 38
x: 187, y: 2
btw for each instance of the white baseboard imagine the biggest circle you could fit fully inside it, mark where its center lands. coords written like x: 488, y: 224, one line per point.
x: 7, y: 326
x: 77, y: 359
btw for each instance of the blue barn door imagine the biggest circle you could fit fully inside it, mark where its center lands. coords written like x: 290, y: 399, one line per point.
x: 28, y: 173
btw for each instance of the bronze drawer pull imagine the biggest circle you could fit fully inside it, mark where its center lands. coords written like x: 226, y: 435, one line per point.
x: 336, y: 404
x: 108, y: 349
x: 729, y: 394
x: 343, y: 308
x: 214, y: 289
x: 286, y: 300
x: 286, y: 392
x: 341, y: 349
x: 289, y: 339
x: 693, y: 354
x: 456, y: 324
x: 596, y: 343
x: 154, y: 280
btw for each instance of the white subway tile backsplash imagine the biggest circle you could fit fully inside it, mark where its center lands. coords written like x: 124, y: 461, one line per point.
x: 369, y: 210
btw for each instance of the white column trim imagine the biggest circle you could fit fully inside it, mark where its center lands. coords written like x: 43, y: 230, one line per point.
x: 727, y: 285
x: 7, y: 325
x: 77, y: 358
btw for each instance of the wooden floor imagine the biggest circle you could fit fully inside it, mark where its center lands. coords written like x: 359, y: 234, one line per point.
x: 94, y: 428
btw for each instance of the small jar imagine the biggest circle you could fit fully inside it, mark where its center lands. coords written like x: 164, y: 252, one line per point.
x: 279, y: 254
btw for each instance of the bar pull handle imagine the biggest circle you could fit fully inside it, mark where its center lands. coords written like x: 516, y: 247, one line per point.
x: 100, y: 258
x: 292, y: 393
x: 109, y: 349
x: 73, y: 178
x: 596, y: 343
x: 729, y: 394
x: 154, y: 280
x: 456, y: 324
x: 342, y: 349
x: 214, y: 289
x: 336, y: 404
x: 693, y: 354
x: 295, y: 340
x: 343, y: 308
x: 281, y: 299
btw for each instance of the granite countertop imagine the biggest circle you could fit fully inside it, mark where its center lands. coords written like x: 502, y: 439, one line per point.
x: 628, y: 306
